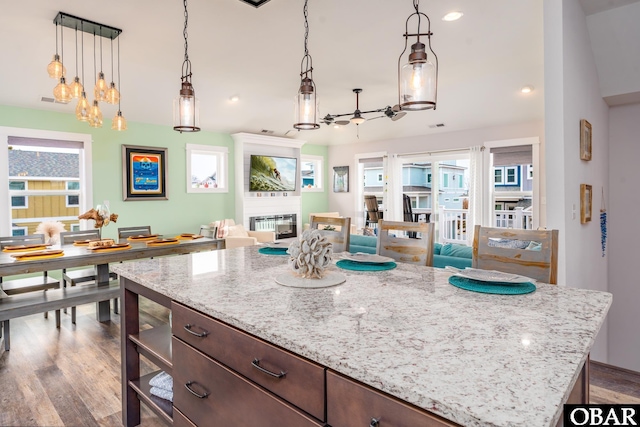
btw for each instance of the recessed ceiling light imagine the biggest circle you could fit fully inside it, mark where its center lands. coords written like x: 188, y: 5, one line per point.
x: 452, y: 16
x: 234, y: 98
x: 526, y: 89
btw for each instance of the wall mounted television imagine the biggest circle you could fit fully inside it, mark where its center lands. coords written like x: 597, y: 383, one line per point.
x: 272, y: 173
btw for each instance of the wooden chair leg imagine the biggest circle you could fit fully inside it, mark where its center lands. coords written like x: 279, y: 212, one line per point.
x: 6, y: 335
x: 58, y: 319
x: 73, y: 315
x: 46, y: 314
x: 115, y: 305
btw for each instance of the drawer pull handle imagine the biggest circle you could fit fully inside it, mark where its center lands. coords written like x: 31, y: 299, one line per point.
x: 195, y: 393
x: 256, y: 364
x: 375, y: 422
x: 188, y: 327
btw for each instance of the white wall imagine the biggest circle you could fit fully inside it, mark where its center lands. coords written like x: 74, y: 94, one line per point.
x: 624, y: 235
x: 572, y: 93
x: 342, y: 155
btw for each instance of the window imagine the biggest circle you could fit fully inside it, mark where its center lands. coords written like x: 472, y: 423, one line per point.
x: 456, y: 199
x: 207, y: 169
x: 460, y: 183
x: 429, y: 178
x: 73, y: 200
x: 512, y: 175
x: 75, y: 227
x: 19, y: 231
x: 497, y: 176
x: 311, y: 172
x: 445, y: 180
x: 18, y: 202
x: 529, y: 171
x: 379, y: 177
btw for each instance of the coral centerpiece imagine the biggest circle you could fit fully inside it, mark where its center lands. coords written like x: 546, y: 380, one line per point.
x: 310, y: 254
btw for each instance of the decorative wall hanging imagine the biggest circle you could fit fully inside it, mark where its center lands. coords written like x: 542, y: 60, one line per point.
x: 586, y: 198
x: 341, y: 179
x: 585, y: 140
x: 144, y: 173
x: 603, y: 224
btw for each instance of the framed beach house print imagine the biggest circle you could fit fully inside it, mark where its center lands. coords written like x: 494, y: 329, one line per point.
x: 144, y: 173
x: 586, y: 198
x: 585, y: 140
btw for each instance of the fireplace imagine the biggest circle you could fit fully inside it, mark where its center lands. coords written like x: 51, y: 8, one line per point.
x: 284, y: 226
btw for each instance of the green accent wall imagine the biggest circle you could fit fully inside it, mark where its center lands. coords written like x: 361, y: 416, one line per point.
x: 183, y: 212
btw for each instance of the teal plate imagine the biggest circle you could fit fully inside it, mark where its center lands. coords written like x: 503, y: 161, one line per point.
x: 492, y: 287
x: 365, y: 266
x: 274, y: 251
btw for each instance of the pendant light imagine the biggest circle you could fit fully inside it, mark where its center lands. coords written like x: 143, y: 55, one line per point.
x: 186, y: 111
x: 100, y: 90
x: 118, y: 123
x: 306, y: 100
x: 55, y: 69
x: 62, y: 91
x: 113, y: 96
x: 82, y: 109
x: 76, y: 86
x: 95, y: 115
x: 418, y: 77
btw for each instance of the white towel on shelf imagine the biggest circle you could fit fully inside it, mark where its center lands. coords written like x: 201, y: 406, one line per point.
x: 162, y: 393
x: 162, y: 381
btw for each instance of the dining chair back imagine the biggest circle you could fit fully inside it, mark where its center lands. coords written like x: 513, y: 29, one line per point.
x: 529, y: 253
x: 371, y: 206
x: 85, y: 275
x: 418, y: 250
x: 29, y: 284
x: 141, y: 230
x: 335, y: 229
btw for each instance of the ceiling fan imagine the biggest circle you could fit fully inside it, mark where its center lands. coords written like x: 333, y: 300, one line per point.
x: 357, y: 117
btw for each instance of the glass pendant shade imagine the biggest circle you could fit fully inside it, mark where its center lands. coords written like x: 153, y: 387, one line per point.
x: 95, y: 115
x: 62, y: 92
x: 83, y: 107
x: 112, y: 96
x: 306, y: 103
x: 55, y: 68
x: 119, y: 122
x: 186, y: 110
x: 76, y: 88
x: 418, y: 86
x: 100, y: 91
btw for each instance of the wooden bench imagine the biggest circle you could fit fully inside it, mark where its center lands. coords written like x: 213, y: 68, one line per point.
x: 54, y: 299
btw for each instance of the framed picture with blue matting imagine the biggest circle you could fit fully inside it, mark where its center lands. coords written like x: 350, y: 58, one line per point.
x: 144, y: 173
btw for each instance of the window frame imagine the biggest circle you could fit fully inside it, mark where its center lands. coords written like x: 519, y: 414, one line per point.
x: 501, y: 180
x: 66, y: 198
x: 222, y: 167
x: 529, y: 172
x: 513, y: 169
x: 24, y: 229
x: 26, y: 198
x: 318, y: 173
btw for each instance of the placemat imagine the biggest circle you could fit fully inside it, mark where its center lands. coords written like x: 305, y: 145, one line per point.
x: 118, y: 247
x: 142, y: 238
x: 363, y: 266
x: 32, y: 256
x: 492, y: 287
x: 164, y: 243
x: 273, y: 251
x: 187, y: 236
x: 24, y: 248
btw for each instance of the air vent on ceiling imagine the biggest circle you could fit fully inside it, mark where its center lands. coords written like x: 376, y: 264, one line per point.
x: 437, y: 125
x: 266, y: 132
x: 254, y: 3
x: 50, y: 100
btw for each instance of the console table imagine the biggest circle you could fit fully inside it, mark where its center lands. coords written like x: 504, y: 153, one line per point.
x: 401, y: 346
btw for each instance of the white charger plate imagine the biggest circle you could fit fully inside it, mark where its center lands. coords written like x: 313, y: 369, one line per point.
x: 367, y: 258
x: 490, y: 276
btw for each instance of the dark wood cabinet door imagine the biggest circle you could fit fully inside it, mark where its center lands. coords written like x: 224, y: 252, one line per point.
x: 210, y: 394
x: 351, y: 404
x: 289, y: 376
x: 179, y: 420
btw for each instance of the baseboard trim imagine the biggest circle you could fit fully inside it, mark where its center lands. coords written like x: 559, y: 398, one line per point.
x: 617, y: 368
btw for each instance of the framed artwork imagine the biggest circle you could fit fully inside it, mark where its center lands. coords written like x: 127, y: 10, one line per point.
x: 144, y: 173
x: 341, y: 179
x: 586, y: 198
x: 585, y: 140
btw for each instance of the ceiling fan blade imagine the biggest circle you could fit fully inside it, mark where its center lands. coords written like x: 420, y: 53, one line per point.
x: 373, y: 118
x: 398, y: 115
x: 342, y: 122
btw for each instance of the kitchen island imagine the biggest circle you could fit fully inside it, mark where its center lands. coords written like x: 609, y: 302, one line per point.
x: 473, y: 359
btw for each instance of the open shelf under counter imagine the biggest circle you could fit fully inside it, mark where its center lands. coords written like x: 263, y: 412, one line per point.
x: 161, y: 407
x: 155, y: 344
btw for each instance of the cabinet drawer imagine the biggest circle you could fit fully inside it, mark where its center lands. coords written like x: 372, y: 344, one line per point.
x: 231, y: 400
x: 302, y: 384
x: 179, y: 420
x: 350, y: 404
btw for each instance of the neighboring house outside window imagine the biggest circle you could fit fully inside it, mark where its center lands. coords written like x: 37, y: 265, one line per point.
x: 311, y: 172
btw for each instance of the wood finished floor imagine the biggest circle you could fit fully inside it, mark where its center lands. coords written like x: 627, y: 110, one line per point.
x: 71, y: 376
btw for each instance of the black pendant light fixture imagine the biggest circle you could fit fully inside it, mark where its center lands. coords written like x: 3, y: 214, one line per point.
x: 307, y: 99
x: 418, y: 77
x: 186, y: 114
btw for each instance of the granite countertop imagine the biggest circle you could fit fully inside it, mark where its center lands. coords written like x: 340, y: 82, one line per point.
x: 476, y: 359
